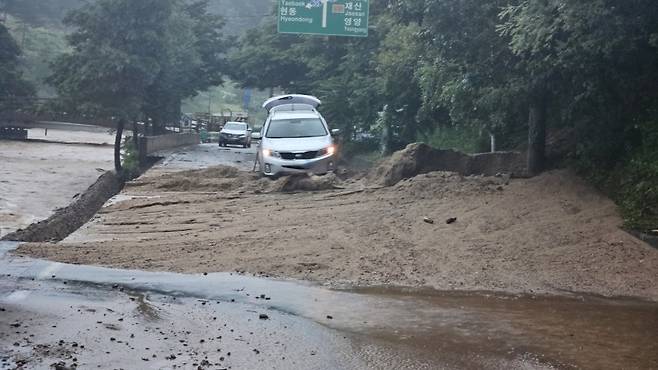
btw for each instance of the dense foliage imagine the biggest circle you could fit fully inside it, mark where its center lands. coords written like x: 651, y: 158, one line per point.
x: 39, y: 12
x: 137, y: 60
x: 37, y: 26
x: 13, y: 87
x: 516, y: 69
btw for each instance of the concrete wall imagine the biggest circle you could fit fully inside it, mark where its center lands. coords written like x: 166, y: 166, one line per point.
x: 490, y: 164
x: 13, y: 133
x: 153, y: 144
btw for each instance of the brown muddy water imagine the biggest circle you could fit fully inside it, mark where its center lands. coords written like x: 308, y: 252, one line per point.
x: 91, y: 317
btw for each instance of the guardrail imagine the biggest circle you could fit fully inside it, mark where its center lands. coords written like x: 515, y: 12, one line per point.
x: 150, y: 145
x: 13, y: 133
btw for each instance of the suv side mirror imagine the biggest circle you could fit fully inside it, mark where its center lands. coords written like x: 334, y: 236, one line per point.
x: 335, y: 131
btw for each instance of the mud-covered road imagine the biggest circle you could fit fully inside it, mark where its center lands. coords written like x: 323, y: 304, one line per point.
x: 550, y: 234
x: 204, y: 255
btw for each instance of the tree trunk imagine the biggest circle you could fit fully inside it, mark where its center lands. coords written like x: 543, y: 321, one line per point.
x: 117, y: 146
x: 537, y: 133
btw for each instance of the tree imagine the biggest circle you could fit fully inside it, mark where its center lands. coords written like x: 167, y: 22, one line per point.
x: 266, y: 60
x: 601, y: 60
x: 397, y: 63
x: 194, y: 61
x: 117, y: 49
x: 137, y: 59
x: 13, y: 88
x: 467, y: 76
x: 38, y: 12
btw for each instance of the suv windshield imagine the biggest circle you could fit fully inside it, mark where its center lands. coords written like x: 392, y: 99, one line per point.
x: 235, y: 126
x: 299, y: 127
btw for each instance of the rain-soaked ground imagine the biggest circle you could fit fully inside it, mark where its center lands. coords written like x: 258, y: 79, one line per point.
x: 52, y: 313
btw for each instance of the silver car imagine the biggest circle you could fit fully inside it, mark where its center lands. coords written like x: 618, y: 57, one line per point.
x: 236, y: 133
x: 295, y: 137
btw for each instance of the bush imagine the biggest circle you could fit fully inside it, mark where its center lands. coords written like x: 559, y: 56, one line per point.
x: 465, y: 139
x: 130, y: 158
x: 638, y: 195
x: 626, y: 170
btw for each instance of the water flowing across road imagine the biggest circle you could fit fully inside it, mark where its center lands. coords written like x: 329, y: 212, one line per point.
x: 55, y: 312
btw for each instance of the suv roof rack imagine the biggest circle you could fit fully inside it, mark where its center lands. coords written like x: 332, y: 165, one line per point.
x: 292, y: 108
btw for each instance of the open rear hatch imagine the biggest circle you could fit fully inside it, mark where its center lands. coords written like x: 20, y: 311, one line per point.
x: 291, y: 99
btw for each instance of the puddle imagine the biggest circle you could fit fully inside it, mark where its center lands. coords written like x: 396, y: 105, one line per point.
x: 365, y: 328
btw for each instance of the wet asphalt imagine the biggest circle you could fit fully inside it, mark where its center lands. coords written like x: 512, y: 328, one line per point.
x: 59, y: 316
x: 206, y: 155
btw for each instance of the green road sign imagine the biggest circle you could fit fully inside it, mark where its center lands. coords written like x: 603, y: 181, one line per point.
x: 324, y: 17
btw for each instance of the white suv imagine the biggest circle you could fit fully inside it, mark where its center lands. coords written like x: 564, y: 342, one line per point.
x: 295, y: 137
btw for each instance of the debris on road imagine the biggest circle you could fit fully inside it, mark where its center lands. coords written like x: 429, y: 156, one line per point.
x: 227, y: 179
x: 420, y: 158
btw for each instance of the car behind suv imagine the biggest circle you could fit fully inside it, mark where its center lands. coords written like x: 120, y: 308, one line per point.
x: 238, y: 133
x: 295, y: 137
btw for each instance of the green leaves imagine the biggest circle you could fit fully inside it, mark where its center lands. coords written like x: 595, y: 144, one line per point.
x: 140, y: 58
x: 14, y: 89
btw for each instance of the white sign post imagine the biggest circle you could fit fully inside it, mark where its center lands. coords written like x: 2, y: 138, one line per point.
x: 325, y: 10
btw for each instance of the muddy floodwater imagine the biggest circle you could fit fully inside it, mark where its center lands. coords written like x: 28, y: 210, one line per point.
x: 53, y: 313
x: 36, y: 178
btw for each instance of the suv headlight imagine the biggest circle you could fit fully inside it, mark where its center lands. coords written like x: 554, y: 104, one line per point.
x: 330, y: 150
x: 270, y: 153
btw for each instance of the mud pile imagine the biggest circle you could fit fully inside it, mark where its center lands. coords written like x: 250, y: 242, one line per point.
x: 419, y: 158
x: 220, y: 178
x: 230, y: 179
x: 413, y: 160
x: 304, y: 182
x: 442, y: 184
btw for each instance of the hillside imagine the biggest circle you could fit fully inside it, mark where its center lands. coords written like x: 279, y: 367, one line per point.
x: 240, y: 15
x: 40, y: 46
x: 37, y: 27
